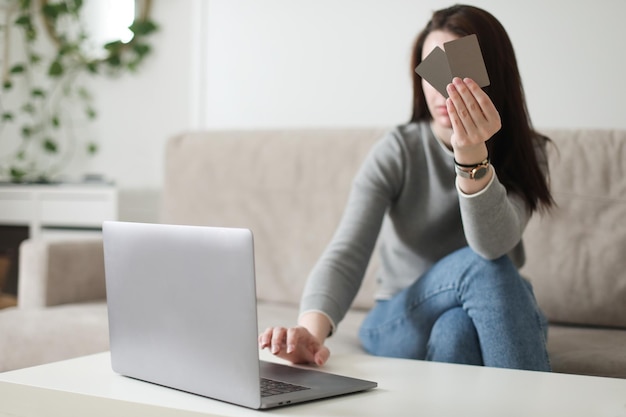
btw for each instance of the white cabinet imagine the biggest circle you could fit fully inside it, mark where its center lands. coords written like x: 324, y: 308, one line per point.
x: 57, y: 207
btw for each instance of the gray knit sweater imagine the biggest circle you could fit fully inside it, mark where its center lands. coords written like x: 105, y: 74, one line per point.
x: 405, y: 195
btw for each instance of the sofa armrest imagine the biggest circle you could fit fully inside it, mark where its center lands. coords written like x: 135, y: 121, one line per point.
x: 53, y: 272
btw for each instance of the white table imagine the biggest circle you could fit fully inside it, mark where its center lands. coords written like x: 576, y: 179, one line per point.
x: 87, y: 387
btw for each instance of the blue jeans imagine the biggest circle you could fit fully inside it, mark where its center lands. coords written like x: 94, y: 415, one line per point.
x: 465, y: 309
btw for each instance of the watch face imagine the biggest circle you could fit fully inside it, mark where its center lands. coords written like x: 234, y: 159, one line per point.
x: 480, y: 172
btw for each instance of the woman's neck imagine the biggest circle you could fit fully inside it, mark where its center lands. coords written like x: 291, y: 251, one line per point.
x: 443, y: 134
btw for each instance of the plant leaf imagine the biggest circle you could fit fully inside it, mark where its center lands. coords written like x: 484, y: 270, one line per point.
x: 92, y: 67
x: 23, y: 20
x: 17, y: 174
x: 143, y: 27
x: 114, y: 60
x: 25, y: 4
x: 7, y: 117
x: 92, y: 148
x: 38, y: 93
x: 114, y: 46
x: 17, y: 69
x: 56, y: 69
x: 50, y: 146
x: 141, y: 49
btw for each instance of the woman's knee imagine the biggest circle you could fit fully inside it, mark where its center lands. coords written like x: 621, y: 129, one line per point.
x: 387, y: 331
x: 466, y: 259
x: 495, y: 274
x: 473, y: 260
x: 454, y: 339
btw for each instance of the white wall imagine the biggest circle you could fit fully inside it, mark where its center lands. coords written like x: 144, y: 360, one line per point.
x: 290, y: 63
x: 285, y: 62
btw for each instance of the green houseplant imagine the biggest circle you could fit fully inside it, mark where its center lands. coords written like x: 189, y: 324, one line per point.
x: 45, y: 98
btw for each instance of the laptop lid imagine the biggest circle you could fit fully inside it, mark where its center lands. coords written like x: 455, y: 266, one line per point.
x: 181, y: 308
x: 182, y: 313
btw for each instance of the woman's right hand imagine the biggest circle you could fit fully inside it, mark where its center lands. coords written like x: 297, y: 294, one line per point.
x: 295, y: 344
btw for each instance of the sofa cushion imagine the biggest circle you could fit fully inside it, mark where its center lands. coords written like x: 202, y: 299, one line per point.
x: 576, y: 254
x: 51, y: 334
x: 587, y: 351
x: 56, y: 271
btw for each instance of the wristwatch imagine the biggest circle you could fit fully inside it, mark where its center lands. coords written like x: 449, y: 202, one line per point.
x: 472, y: 172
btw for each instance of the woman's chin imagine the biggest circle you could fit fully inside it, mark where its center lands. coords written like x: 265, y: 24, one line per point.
x: 443, y: 122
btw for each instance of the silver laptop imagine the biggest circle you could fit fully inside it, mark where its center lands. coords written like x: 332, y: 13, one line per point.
x: 182, y: 313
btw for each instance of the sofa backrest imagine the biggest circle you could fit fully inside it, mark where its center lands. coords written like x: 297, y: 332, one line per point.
x: 290, y: 187
x: 576, y: 254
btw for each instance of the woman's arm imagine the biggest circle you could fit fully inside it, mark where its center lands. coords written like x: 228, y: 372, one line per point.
x: 493, y: 220
x: 337, y: 276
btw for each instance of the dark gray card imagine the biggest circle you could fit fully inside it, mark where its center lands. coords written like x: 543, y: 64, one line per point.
x: 466, y: 60
x: 436, y: 70
x: 462, y: 58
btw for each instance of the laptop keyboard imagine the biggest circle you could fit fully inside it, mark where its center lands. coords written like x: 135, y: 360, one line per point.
x: 272, y: 387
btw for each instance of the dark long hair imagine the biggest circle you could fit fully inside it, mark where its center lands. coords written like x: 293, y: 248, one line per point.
x: 511, y: 149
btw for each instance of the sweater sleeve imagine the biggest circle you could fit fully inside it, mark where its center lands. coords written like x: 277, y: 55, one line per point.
x: 493, y: 219
x: 336, y: 278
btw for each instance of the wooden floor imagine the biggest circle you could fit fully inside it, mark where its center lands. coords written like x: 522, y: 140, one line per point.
x: 7, y: 300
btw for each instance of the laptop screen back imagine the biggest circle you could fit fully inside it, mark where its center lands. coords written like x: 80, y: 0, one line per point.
x: 175, y: 296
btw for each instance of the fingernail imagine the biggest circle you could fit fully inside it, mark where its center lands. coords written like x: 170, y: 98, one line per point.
x: 290, y: 348
x: 275, y: 349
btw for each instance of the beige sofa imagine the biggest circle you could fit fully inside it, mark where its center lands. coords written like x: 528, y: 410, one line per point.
x: 289, y: 187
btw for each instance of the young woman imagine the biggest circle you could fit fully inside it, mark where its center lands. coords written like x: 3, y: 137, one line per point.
x: 449, y: 194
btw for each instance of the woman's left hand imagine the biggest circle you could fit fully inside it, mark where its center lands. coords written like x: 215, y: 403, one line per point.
x: 474, y: 119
